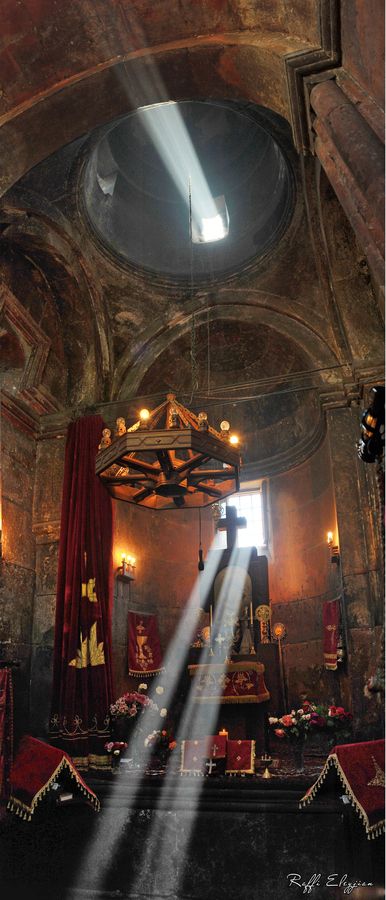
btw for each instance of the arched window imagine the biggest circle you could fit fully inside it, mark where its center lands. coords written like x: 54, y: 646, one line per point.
x: 250, y: 505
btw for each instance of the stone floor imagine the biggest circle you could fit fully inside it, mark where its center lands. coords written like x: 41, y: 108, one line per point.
x: 185, y: 838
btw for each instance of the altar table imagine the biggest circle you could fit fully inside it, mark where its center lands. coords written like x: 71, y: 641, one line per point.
x: 238, y: 682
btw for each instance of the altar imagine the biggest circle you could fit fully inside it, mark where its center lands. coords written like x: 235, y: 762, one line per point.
x: 235, y: 693
x: 237, y: 682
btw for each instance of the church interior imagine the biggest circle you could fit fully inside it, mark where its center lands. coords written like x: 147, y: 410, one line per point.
x: 191, y: 449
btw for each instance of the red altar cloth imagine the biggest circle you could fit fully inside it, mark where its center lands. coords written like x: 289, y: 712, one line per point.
x: 240, y: 757
x: 195, y: 753
x: 241, y: 682
x: 361, y: 769
x: 36, y: 767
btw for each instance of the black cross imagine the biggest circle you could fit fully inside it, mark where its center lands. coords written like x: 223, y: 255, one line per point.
x: 230, y: 524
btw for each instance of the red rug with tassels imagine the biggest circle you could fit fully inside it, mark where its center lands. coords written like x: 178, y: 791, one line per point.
x: 37, y: 765
x: 361, y: 770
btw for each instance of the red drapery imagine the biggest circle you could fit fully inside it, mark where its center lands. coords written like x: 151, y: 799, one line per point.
x: 37, y: 766
x: 6, y: 731
x: 361, y: 770
x: 82, y: 686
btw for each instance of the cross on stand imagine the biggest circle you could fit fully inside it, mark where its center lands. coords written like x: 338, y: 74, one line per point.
x: 230, y: 523
x: 210, y: 765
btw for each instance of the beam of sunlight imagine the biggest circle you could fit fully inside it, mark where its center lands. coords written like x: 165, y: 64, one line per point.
x: 111, y: 821
x: 162, y: 119
x: 173, y: 791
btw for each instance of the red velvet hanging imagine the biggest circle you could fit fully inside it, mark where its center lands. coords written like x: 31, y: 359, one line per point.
x: 82, y: 687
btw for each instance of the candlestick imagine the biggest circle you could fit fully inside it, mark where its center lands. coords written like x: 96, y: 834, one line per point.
x: 266, y: 738
x: 211, y: 616
x: 251, y: 613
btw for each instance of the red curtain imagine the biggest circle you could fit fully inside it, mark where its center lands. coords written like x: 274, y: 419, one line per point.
x: 6, y: 731
x: 82, y: 685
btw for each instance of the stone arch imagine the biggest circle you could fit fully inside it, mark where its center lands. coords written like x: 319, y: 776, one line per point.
x: 54, y: 251
x: 283, y: 424
x: 251, y: 68
x: 133, y: 364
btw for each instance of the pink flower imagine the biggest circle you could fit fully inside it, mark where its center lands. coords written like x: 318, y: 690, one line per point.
x: 318, y: 721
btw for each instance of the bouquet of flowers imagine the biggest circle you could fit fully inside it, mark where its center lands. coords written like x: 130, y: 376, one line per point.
x: 334, y: 720
x: 161, y: 744
x: 295, y: 725
x: 299, y: 724
x: 130, y: 704
x: 115, y: 749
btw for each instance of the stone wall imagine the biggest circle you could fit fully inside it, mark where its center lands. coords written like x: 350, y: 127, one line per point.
x: 17, y: 572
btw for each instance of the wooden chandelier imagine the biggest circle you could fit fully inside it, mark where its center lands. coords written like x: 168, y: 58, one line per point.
x: 170, y: 459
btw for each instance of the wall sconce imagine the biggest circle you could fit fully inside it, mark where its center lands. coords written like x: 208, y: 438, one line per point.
x: 334, y: 548
x: 126, y: 570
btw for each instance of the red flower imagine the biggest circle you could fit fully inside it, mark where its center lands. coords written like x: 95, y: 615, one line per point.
x: 339, y: 711
x: 287, y: 721
x: 280, y: 733
x: 332, y: 711
x: 172, y: 745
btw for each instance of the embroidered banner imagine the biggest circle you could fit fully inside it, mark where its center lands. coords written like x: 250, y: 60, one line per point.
x: 330, y: 633
x: 82, y: 686
x: 361, y: 770
x: 6, y: 731
x: 238, y: 683
x: 36, y: 767
x: 240, y: 757
x: 144, y: 649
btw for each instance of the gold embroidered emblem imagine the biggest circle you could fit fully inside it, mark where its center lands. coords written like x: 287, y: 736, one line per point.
x: 143, y: 653
x: 379, y: 777
x: 88, y: 590
x: 90, y: 653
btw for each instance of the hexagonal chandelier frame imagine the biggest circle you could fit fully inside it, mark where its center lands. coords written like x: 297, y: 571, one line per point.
x: 172, y: 459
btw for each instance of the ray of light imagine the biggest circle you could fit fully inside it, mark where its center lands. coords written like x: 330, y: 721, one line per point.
x: 173, y: 793
x: 162, y: 119
x: 112, y: 820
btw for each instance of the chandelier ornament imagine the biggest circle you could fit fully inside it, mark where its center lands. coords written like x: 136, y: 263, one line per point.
x: 169, y: 459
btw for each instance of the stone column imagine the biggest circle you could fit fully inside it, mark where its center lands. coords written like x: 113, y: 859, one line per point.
x: 359, y: 576
x: 353, y: 158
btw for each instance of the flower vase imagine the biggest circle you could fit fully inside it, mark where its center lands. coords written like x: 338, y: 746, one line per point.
x: 121, y: 729
x: 298, y: 755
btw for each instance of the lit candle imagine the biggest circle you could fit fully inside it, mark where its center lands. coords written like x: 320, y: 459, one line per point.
x: 211, y: 617
x: 223, y: 733
x: 251, y: 612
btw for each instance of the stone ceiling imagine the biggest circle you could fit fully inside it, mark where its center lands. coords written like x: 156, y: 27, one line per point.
x: 111, y: 332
